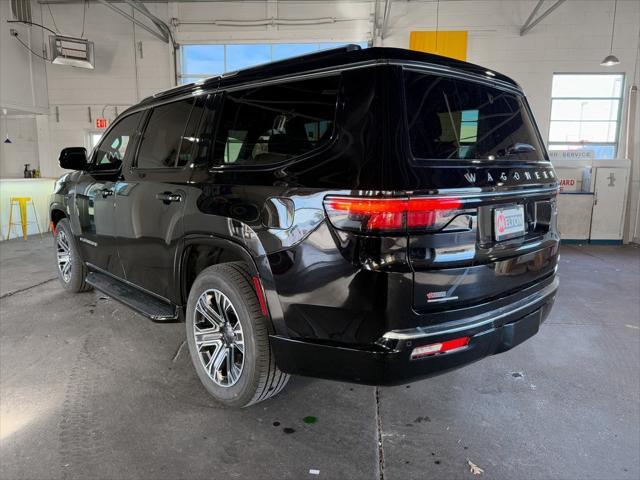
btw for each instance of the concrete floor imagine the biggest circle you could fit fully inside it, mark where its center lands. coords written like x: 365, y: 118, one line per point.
x: 89, y: 389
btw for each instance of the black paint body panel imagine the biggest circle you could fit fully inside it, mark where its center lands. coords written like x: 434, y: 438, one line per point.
x: 331, y: 295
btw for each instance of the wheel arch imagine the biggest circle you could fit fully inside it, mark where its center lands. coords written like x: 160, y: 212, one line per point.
x: 56, y: 213
x: 201, y: 251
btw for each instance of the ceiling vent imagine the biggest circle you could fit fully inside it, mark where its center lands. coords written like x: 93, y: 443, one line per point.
x: 75, y: 52
x: 21, y: 10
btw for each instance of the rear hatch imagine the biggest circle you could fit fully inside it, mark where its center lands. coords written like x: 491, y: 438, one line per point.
x: 474, y: 142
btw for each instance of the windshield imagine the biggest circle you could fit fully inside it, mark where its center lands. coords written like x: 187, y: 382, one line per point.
x: 457, y: 119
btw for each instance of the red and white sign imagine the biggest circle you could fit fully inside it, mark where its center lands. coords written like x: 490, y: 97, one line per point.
x: 101, y: 123
x: 571, y: 179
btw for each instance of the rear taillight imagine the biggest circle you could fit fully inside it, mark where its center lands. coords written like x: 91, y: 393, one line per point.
x: 366, y: 214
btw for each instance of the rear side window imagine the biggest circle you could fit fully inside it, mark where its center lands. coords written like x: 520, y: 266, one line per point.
x: 162, y: 140
x: 270, y: 124
x: 457, y: 119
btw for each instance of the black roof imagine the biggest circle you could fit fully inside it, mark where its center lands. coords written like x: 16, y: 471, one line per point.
x: 329, y: 59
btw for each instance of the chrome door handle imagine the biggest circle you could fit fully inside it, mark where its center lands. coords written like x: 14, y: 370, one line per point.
x: 168, y: 197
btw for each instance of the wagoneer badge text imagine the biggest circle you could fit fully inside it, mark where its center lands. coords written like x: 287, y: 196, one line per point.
x: 501, y: 177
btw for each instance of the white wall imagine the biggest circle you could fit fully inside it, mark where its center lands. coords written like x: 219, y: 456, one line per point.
x: 23, y: 92
x: 23, y: 147
x: 22, y: 75
x: 574, y: 38
x: 121, y: 77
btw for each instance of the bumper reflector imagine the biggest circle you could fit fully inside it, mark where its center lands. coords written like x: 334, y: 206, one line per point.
x: 442, y: 347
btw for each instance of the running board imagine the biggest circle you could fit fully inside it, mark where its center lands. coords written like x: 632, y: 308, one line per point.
x: 142, y: 302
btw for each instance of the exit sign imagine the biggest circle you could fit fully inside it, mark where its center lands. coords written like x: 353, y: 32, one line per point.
x: 101, y: 123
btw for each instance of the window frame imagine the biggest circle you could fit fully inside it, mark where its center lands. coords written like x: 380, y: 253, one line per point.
x: 618, y: 120
x: 215, y: 165
x: 145, y: 123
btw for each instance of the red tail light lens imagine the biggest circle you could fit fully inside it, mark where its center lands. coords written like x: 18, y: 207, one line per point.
x: 363, y: 214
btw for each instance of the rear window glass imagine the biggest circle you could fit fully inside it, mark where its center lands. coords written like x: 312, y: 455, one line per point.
x: 269, y: 124
x: 461, y: 120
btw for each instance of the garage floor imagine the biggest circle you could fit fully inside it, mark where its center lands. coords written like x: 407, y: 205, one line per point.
x: 89, y: 389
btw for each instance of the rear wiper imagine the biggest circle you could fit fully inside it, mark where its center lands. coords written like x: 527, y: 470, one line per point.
x: 515, y: 149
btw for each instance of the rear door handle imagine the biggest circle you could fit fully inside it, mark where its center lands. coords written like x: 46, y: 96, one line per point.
x: 168, y: 197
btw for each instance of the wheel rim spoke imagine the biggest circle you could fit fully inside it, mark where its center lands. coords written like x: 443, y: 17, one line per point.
x: 219, y: 338
x: 207, y: 337
x: 63, y: 252
x: 218, y: 358
x: 233, y: 372
x: 209, y: 313
x: 239, y: 343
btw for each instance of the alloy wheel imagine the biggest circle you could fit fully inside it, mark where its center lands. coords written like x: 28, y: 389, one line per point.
x: 63, y: 253
x: 219, y: 338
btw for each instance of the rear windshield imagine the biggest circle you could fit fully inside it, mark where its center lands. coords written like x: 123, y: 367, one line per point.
x: 462, y: 120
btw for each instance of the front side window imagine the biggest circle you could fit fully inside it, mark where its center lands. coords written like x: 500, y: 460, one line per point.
x: 116, y: 144
x: 162, y: 140
x: 270, y: 124
x: 455, y: 119
x: 585, y: 113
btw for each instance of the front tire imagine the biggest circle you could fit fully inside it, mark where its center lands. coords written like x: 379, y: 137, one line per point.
x: 228, y: 338
x: 72, y: 271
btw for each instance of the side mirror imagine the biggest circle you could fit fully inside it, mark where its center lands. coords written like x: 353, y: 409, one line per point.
x: 73, y: 158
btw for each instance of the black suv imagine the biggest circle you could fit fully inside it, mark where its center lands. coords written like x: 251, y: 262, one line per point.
x: 373, y: 215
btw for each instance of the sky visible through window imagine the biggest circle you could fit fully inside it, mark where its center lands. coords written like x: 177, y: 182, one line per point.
x: 202, y: 61
x: 585, y: 113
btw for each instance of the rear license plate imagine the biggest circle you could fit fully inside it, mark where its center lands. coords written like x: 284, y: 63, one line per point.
x: 508, y: 222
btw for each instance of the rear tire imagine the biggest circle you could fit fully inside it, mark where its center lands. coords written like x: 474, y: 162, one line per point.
x: 228, y: 337
x: 72, y: 271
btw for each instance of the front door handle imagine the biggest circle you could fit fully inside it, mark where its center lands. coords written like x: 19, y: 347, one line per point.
x: 106, y: 192
x: 168, y: 197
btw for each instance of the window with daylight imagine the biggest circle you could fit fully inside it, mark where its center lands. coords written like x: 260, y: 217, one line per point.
x: 585, y: 113
x: 204, y: 61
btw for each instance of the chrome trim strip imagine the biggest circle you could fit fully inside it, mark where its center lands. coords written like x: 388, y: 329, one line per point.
x: 445, y: 299
x: 474, y: 192
x: 473, y: 322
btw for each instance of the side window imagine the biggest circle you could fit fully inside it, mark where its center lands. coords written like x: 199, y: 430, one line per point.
x: 269, y: 124
x: 114, y: 147
x: 161, y: 142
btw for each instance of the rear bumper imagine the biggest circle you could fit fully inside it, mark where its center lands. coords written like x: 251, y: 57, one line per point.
x: 389, y: 361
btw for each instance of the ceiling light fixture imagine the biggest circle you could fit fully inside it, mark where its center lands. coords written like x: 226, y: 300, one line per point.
x: 611, y: 60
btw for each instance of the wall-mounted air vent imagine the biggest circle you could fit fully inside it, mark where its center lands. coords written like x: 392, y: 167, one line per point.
x: 75, y: 52
x: 21, y: 10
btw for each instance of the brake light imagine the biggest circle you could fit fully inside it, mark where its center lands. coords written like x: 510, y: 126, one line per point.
x: 441, y: 347
x: 364, y: 214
